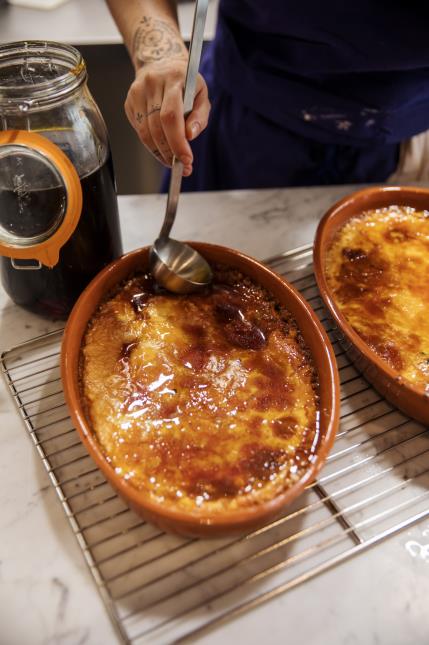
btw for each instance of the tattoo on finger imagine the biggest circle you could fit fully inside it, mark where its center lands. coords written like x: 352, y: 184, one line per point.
x: 165, y: 158
x: 140, y: 116
x: 155, y: 108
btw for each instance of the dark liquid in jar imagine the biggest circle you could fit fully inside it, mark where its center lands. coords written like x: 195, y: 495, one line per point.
x: 95, y: 242
x: 39, y: 215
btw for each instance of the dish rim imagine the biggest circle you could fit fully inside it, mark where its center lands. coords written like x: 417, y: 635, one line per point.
x: 222, y: 519
x: 319, y: 256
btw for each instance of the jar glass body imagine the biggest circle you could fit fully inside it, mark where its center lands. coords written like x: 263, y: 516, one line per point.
x: 43, y: 90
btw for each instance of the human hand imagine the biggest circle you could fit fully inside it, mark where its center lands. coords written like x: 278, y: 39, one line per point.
x: 154, y: 107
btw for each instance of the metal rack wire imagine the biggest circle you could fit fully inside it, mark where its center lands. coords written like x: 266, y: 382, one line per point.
x: 164, y: 588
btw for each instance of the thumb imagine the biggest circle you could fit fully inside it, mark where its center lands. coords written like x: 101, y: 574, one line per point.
x: 197, y: 120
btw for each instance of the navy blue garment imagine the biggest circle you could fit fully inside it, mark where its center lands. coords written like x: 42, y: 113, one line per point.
x: 310, y: 93
x: 337, y: 71
x: 242, y: 149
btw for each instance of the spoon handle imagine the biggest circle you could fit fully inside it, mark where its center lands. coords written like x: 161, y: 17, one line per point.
x: 195, y: 47
x: 196, y: 44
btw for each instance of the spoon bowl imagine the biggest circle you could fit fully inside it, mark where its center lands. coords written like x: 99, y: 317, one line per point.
x: 178, y: 267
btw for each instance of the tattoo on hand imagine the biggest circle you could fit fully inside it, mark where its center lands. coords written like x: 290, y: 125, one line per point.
x: 139, y: 116
x: 155, y: 40
x: 154, y: 108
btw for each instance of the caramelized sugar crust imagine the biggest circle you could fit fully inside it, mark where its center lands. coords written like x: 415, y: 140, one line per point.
x: 204, y: 401
x: 378, y: 269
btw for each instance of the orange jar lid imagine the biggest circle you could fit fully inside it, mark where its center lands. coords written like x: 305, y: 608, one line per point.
x: 34, y: 171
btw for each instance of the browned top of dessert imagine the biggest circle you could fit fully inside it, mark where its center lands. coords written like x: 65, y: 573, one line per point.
x: 205, y: 401
x: 378, y: 269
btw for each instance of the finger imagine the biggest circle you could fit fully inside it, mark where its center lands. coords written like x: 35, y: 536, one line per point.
x: 139, y: 122
x: 173, y: 124
x: 157, y: 132
x: 197, y: 120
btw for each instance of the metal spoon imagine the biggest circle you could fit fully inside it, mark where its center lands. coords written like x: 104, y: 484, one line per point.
x: 175, y: 265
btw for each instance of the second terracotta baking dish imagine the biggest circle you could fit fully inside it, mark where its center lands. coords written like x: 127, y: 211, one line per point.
x: 411, y: 399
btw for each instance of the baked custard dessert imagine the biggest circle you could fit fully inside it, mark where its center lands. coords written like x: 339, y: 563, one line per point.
x: 378, y: 270
x: 206, y: 402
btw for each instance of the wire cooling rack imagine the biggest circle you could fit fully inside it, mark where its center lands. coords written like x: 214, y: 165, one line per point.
x: 162, y: 588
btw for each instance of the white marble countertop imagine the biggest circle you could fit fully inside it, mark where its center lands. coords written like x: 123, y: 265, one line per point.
x: 47, y: 596
x: 82, y: 22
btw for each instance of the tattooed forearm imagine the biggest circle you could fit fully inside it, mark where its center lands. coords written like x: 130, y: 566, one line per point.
x: 156, y: 40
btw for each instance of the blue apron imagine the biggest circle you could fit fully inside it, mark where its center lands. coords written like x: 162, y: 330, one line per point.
x: 310, y: 93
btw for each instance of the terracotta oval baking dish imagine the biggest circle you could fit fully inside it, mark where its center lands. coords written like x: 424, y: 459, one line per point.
x: 403, y: 394
x: 171, y: 519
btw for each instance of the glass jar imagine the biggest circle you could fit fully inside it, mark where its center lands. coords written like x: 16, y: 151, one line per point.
x: 59, y: 220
